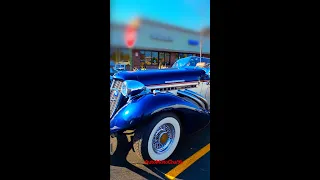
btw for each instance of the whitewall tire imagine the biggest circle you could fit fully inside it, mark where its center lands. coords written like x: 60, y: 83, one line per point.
x: 158, y: 139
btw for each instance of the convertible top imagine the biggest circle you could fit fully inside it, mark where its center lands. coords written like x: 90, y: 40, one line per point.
x: 162, y: 76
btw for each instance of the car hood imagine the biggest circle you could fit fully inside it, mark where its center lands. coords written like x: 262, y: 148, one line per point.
x: 162, y: 76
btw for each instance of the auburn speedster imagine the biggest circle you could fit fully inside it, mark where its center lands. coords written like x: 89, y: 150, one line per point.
x: 158, y: 105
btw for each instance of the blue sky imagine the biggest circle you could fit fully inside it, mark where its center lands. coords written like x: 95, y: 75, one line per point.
x: 190, y: 14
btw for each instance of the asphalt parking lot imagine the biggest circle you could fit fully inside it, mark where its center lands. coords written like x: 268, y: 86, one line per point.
x: 193, y: 150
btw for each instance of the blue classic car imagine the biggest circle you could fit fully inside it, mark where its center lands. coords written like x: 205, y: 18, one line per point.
x: 158, y: 105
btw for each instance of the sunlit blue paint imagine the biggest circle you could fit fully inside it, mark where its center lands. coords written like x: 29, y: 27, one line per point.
x: 159, y: 76
x: 127, y: 112
x: 142, y: 109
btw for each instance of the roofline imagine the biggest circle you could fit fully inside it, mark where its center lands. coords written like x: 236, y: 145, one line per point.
x: 169, y: 26
x: 164, y: 25
x: 159, y: 49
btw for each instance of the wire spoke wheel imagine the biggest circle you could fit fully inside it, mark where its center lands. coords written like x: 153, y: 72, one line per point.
x: 163, y: 138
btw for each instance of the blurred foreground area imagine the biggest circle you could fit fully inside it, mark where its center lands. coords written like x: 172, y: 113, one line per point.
x: 156, y: 44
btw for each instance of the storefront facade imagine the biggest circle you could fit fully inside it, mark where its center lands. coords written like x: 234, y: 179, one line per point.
x: 157, y: 45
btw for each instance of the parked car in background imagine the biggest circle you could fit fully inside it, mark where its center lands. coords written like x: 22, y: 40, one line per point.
x: 193, y: 62
x: 113, y: 71
x: 120, y: 67
x: 112, y: 63
x: 158, y: 106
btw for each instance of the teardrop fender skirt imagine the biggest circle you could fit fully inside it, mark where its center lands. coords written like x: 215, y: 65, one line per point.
x: 141, y: 110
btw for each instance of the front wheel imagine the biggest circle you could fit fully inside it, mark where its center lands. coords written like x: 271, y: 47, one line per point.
x: 158, y: 139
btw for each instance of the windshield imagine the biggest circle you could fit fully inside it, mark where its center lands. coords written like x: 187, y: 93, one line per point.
x: 203, y: 59
x: 190, y: 61
x: 181, y: 62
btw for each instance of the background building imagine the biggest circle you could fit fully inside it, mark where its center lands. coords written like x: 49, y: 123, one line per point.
x: 157, y: 44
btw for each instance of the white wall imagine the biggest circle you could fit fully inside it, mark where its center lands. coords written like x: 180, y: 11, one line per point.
x: 179, y: 43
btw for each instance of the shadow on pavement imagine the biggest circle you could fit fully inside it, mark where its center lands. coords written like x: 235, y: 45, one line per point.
x: 188, y: 145
x: 119, y: 158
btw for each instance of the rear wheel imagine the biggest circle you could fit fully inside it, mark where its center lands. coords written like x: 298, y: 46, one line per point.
x: 158, y: 139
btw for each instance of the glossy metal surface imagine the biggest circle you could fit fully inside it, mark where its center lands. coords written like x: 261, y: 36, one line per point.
x: 132, y: 88
x: 115, y: 96
x: 163, y: 138
x: 199, y: 97
x: 155, y: 92
x: 140, y: 110
x: 191, y: 96
x: 162, y: 76
x: 204, y: 90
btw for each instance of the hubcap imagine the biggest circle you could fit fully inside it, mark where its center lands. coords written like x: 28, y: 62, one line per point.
x: 163, y: 138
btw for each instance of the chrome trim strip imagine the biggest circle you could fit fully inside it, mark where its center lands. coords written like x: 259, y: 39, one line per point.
x: 115, y: 96
x: 173, y: 85
x: 112, y: 83
x: 174, y: 81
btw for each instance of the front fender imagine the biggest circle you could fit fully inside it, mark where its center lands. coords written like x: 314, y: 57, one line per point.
x: 140, y: 110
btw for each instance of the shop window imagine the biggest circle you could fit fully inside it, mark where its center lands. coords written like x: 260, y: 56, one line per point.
x: 161, y: 59
x: 155, y: 58
x: 167, y: 59
x: 164, y: 59
x: 142, y: 59
x: 180, y: 55
x: 124, y: 55
x: 142, y: 56
x: 177, y: 56
x: 113, y: 54
x: 147, y: 57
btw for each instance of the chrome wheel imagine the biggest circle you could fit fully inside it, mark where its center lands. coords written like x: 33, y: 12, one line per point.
x: 163, y: 138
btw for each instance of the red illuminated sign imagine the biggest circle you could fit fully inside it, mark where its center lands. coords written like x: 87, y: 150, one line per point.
x: 130, y: 36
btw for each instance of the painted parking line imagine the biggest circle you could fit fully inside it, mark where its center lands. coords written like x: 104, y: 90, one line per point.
x: 172, y: 174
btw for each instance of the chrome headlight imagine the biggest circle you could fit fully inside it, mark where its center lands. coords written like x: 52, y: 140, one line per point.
x: 132, y: 88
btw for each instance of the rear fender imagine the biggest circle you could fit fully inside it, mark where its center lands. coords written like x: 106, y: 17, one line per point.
x: 139, y: 111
